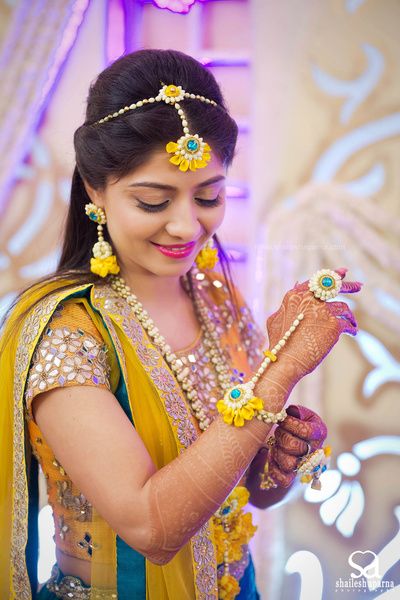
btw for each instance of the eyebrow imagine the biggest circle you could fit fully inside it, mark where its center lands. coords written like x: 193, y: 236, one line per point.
x: 162, y: 186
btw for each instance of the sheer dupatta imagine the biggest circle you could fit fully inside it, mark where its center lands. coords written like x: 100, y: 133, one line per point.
x: 153, y: 400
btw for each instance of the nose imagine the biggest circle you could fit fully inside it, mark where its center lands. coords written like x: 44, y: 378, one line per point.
x: 184, y: 223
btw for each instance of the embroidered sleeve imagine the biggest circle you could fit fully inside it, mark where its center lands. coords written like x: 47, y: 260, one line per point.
x: 70, y: 351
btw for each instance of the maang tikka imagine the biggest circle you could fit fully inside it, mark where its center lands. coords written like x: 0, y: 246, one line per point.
x: 103, y: 261
x: 190, y: 151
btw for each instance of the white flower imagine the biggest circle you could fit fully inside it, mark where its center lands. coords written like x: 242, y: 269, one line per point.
x: 325, y: 284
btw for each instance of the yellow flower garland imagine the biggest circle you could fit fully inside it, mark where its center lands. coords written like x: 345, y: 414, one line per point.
x: 232, y: 530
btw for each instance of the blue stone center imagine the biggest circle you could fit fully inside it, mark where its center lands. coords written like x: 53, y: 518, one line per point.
x: 93, y: 216
x: 327, y: 282
x: 192, y: 145
x: 235, y: 393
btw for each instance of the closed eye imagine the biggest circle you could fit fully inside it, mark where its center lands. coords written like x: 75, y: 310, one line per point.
x: 158, y: 207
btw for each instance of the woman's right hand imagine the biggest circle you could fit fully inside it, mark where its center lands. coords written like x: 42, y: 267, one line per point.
x: 314, y: 338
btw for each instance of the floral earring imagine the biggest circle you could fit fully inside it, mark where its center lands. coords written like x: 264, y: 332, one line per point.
x: 207, y: 258
x: 104, y: 261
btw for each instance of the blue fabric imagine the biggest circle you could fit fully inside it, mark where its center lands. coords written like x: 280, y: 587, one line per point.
x: 131, y: 566
x: 248, y: 588
x: 131, y: 572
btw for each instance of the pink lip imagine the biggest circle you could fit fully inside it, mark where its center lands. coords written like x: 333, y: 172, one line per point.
x: 184, y: 249
x: 175, y: 245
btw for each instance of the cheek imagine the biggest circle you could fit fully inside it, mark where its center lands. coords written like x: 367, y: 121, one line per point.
x: 215, y: 216
x: 133, y: 226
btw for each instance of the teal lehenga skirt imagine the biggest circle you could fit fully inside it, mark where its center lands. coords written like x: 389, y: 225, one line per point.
x: 68, y: 587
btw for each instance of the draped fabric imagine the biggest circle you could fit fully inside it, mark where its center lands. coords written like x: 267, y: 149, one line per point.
x: 154, y: 402
x: 39, y: 38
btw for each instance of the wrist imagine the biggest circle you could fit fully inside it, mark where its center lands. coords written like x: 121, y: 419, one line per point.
x: 272, y: 389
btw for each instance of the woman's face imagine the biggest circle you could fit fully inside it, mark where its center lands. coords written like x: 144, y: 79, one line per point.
x: 159, y: 205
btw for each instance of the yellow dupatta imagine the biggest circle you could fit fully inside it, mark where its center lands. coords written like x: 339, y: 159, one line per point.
x: 160, y: 415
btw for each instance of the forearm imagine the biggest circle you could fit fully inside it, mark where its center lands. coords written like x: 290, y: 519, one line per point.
x: 183, y: 495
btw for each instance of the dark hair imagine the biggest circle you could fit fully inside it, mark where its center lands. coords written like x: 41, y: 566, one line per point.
x: 117, y: 147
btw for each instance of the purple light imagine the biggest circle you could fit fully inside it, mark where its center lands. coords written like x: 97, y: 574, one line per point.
x: 176, y: 6
x: 237, y: 191
x: 238, y: 61
x: 115, y: 38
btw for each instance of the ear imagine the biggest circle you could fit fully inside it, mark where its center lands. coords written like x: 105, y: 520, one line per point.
x: 94, y: 195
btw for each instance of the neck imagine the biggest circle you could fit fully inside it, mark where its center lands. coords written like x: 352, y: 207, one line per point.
x: 155, y: 291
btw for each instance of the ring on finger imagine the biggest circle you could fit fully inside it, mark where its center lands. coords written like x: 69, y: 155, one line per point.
x: 325, y: 284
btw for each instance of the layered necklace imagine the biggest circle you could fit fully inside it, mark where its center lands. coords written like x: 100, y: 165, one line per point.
x: 230, y: 519
x: 211, y: 343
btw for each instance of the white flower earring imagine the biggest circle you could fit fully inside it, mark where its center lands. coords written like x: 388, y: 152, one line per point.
x: 104, y: 261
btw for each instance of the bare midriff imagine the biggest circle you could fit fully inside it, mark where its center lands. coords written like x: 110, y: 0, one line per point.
x: 77, y: 567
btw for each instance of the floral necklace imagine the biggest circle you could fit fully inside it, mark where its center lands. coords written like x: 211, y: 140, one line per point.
x: 232, y: 527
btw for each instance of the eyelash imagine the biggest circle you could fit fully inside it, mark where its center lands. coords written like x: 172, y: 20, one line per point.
x: 158, y: 207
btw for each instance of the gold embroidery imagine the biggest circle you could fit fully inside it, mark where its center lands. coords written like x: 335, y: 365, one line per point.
x: 64, y: 356
x: 87, y: 544
x: 107, y: 301
x: 30, y: 330
x: 71, y: 587
x: 79, y: 504
x: 62, y: 527
x: 59, y: 467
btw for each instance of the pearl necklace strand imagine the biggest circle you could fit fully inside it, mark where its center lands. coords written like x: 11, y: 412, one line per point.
x: 211, y: 342
x: 215, y: 353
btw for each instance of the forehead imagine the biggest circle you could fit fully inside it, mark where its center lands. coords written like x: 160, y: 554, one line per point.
x: 158, y: 169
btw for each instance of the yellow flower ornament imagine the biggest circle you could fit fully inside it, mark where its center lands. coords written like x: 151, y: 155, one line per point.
x: 207, y: 258
x: 229, y: 587
x: 190, y: 151
x: 233, y: 529
x: 104, y: 266
x: 239, y: 405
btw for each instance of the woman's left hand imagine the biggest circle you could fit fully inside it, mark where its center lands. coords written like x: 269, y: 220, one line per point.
x: 301, y: 427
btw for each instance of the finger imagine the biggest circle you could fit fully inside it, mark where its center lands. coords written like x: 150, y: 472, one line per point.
x: 286, y: 462
x: 340, y: 309
x: 351, y: 287
x: 281, y: 478
x: 342, y: 271
x: 306, y: 425
x: 290, y: 443
x: 313, y: 430
x: 346, y: 327
x: 301, y: 287
x: 306, y: 414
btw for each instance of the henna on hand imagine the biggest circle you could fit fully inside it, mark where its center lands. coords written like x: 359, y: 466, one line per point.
x: 319, y: 331
x: 301, y: 427
x: 293, y: 435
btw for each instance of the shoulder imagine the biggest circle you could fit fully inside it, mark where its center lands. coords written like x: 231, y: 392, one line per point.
x: 70, y: 351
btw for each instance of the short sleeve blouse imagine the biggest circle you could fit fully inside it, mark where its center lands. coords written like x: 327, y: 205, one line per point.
x: 70, y: 351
